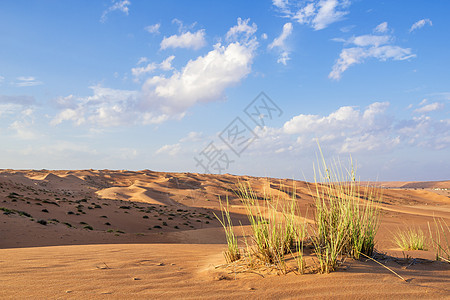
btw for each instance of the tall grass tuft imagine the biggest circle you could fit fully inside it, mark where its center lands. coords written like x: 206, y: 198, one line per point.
x: 410, y: 239
x: 347, y: 215
x: 232, y: 253
x: 274, y: 223
x: 440, y: 239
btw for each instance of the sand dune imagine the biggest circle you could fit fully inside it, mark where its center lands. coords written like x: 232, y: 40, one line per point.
x: 111, y: 234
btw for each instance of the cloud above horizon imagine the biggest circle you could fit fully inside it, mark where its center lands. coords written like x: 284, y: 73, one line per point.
x: 419, y: 24
x: 352, y: 130
x: 368, y: 46
x: 187, y: 40
x: 280, y: 43
x: 318, y: 14
x: 120, y: 5
x: 165, y: 95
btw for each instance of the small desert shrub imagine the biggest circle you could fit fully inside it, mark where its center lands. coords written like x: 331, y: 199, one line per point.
x: 410, y: 239
x: 67, y: 224
x: 440, y: 239
x: 45, y: 210
x: 24, y: 214
x: 42, y: 222
x: 7, y: 211
x: 89, y: 227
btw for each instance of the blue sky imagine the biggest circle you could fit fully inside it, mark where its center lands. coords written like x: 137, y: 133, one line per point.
x: 173, y: 86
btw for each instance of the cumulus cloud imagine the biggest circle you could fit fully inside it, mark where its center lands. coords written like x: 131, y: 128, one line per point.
x: 106, y: 107
x: 120, y: 5
x: 350, y: 129
x: 24, y: 81
x: 153, y: 28
x: 367, y: 46
x: 279, y: 42
x: 166, y: 96
x: 205, y: 78
x: 419, y: 24
x: 186, y: 40
x: 318, y: 14
x: 201, y: 80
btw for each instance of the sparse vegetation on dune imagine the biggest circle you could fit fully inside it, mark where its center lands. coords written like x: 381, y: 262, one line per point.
x: 410, y: 239
x: 346, y: 215
x: 346, y: 221
x: 440, y: 240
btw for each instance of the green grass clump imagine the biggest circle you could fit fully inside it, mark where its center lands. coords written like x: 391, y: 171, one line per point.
x: 232, y: 253
x: 440, y: 239
x: 273, y: 223
x: 347, y: 216
x: 410, y: 239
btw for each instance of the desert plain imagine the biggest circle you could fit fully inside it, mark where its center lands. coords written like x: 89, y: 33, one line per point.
x: 103, y: 234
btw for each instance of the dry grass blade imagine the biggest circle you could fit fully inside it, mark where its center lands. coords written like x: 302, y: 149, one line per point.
x: 384, y: 266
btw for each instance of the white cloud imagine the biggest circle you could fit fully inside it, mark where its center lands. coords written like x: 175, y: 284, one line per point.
x: 142, y: 60
x: 153, y: 28
x: 381, y: 28
x: 242, y: 31
x: 203, y: 79
x: 192, y: 136
x: 279, y: 42
x: 171, y: 150
x: 15, y: 106
x: 264, y: 36
x: 140, y: 71
x: 347, y: 129
x: 318, y: 14
x: 106, y: 107
x: 166, y: 65
x: 369, y: 40
x: 187, y: 40
x: 120, y: 5
x: 429, y: 107
x: 164, y: 97
x: 23, y: 124
x: 350, y: 129
x: 367, y: 46
x: 284, y: 57
x: 419, y: 24
x: 24, y: 81
x: 2, y: 79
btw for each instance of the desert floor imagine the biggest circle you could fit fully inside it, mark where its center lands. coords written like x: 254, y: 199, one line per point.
x: 95, y: 234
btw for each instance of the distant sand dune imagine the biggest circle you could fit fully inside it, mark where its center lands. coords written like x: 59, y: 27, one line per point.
x: 95, y: 234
